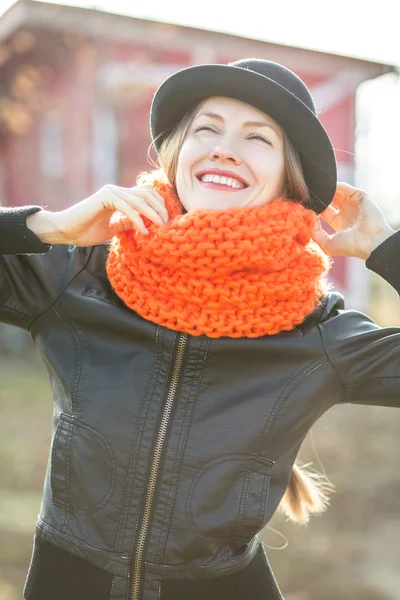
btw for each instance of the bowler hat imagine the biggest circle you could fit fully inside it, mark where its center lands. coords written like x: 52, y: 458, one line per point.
x: 270, y: 87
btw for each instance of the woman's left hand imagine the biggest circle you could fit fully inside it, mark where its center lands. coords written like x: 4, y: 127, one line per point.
x: 359, y: 223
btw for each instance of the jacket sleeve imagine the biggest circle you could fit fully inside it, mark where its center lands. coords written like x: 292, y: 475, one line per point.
x: 366, y: 357
x: 15, y: 236
x: 32, y: 274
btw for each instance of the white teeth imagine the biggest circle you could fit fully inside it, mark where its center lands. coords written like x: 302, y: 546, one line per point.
x: 229, y: 181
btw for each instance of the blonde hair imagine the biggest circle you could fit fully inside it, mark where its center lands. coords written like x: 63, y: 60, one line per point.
x: 307, y: 492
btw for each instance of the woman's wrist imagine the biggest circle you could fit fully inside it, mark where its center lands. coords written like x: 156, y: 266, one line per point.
x: 45, y: 225
x: 380, y: 238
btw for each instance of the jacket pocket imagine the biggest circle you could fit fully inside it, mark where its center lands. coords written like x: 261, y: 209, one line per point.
x: 228, y: 498
x: 82, y: 467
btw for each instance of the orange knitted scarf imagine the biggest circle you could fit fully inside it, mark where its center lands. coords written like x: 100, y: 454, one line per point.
x: 240, y: 272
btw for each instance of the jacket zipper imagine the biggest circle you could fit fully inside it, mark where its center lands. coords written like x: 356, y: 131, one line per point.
x: 155, y: 465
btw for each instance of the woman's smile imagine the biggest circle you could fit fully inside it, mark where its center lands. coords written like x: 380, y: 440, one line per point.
x: 217, y: 179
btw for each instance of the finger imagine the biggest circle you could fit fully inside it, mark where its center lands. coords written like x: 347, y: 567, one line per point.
x: 126, y: 209
x: 120, y: 225
x: 140, y: 204
x: 154, y: 198
x: 321, y: 237
x: 329, y: 213
x: 333, y: 217
x: 337, y: 244
x: 146, y: 187
x: 149, y: 205
x: 154, y: 202
x: 346, y: 193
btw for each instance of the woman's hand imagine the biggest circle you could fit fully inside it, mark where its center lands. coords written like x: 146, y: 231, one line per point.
x: 359, y: 223
x: 90, y: 221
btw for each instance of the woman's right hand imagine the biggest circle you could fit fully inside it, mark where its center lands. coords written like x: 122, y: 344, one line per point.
x: 90, y: 222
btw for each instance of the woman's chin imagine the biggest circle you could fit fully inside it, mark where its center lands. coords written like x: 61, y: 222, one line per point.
x: 214, y: 205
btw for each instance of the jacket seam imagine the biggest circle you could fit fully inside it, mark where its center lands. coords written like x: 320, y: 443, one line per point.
x: 52, y: 468
x: 77, y: 373
x: 74, y: 424
x: 41, y: 525
x: 306, y: 372
x: 245, y: 491
x: 108, y: 299
x: 344, y: 398
x: 249, y: 550
x: 112, y: 586
x: 239, y: 536
x: 15, y: 310
x: 147, y: 395
x: 350, y: 385
x: 60, y: 294
x: 347, y: 386
x: 280, y: 403
x: 278, y: 406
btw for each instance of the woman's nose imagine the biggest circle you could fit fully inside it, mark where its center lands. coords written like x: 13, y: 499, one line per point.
x: 224, y: 154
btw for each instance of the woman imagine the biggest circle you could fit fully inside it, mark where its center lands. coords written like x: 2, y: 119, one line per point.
x: 190, y: 356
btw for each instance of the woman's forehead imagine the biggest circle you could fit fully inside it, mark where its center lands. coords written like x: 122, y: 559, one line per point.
x: 230, y: 107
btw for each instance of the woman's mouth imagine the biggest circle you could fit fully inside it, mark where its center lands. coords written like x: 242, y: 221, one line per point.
x: 220, y: 182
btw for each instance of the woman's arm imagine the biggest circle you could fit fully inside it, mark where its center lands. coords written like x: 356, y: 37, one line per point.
x: 42, y: 251
x: 364, y: 356
x: 15, y: 236
x: 32, y: 272
x: 30, y: 229
x: 385, y: 260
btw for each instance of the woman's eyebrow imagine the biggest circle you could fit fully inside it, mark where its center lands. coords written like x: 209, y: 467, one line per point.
x: 211, y: 115
x: 246, y: 124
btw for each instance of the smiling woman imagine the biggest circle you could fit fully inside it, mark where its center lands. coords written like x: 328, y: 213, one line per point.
x: 274, y: 173
x: 226, y: 154
x: 192, y: 342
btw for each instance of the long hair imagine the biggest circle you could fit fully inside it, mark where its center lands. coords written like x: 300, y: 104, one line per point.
x: 307, y: 492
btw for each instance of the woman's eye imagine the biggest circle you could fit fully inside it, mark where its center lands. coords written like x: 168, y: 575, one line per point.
x: 260, y: 137
x: 204, y: 127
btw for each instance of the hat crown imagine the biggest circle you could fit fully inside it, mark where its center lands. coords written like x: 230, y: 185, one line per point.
x: 281, y: 75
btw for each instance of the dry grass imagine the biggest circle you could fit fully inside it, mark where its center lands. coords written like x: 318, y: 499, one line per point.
x: 25, y: 425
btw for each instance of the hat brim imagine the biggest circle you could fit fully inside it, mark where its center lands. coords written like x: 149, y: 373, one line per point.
x: 184, y: 89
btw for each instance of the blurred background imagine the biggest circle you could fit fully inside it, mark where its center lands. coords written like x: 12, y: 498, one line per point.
x: 76, y: 82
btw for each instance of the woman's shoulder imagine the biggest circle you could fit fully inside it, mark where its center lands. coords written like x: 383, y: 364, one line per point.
x: 338, y: 322
x: 96, y: 258
x: 92, y: 258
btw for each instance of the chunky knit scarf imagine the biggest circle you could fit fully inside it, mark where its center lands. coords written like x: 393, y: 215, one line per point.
x: 240, y: 272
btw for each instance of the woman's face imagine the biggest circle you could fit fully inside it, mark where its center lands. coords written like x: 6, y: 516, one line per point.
x: 232, y: 156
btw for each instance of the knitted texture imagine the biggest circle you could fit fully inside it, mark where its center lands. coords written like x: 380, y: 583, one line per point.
x: 239, y: 272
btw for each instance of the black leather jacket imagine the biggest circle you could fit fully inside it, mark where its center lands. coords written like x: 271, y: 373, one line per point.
x: 170, y: 452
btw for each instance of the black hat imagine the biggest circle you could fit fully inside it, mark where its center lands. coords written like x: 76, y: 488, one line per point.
x: 268, y: 86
